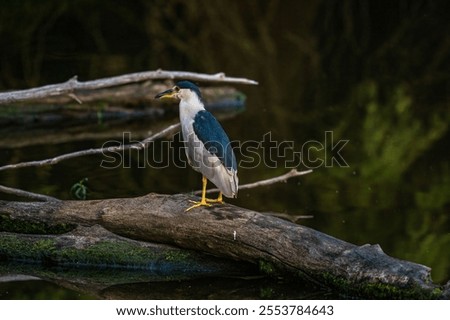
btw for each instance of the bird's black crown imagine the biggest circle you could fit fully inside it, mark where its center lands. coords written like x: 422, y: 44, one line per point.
x: 184, y: 84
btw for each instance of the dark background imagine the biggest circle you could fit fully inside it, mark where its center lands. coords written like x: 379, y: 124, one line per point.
x: 375, y: 73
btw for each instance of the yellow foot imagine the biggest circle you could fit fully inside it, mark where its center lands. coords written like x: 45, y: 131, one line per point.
x: 205, y: 202
x: 198, y: 204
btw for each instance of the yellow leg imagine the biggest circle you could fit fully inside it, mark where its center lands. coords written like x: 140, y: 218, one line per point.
x: 218, y: 200
x: 203, y: 201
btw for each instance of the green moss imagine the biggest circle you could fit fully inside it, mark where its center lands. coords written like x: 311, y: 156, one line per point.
x: 102, y: 254
x: 12, y: 246
x: 266, y: 293
x: 176, y: 256
x: 45, y: 245
x: 266, y: 267
x: 111, y: 253
x: 378, y: 290
x: 19, y: 226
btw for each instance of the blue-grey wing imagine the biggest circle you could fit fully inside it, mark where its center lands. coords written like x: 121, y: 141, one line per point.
x: 216, y: 141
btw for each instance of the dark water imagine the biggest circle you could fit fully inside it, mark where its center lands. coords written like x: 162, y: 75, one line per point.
x: 357, y: 90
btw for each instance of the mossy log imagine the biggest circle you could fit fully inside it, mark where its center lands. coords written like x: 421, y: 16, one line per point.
x: 227, y: 231
x: 92, y: 260
x: 94, y: 247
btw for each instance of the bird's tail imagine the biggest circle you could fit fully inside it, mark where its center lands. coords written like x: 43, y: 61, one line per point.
x: 227, y: 182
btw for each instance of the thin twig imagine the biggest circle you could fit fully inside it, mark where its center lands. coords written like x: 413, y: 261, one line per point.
x: 139, y: 145
x: 26, y: 194
x: 267, y: 182
x: 70, y: 87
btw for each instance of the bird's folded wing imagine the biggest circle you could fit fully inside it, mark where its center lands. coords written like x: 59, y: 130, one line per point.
x: 211, y: 134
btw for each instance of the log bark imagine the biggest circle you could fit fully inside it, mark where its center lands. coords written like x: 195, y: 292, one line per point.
x: 227, y: 231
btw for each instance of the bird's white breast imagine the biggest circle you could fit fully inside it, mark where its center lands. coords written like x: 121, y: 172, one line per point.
x: 188, y: 109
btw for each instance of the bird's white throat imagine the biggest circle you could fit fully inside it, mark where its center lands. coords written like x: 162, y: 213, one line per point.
x: 190, y: 104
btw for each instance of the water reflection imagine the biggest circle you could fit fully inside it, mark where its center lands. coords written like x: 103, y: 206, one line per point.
x: 203, y: 288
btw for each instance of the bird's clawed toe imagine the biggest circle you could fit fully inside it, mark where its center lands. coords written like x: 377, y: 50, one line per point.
x: 205, y: 202
x: 197, y: 204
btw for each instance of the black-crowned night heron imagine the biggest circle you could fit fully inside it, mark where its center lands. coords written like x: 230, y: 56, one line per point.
x: 207, y: 146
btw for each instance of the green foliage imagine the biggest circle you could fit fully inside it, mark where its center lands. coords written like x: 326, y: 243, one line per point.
x: 392, y: 137
x: 79, y: 190
x: 438, y: 194
x: 427, y: 234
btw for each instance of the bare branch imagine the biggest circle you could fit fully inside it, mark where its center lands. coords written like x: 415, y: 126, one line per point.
x: 70, y: 87
x: 267, y: 182
x: 291, y: 174
x: 26, y: 194
x: 139, y: 145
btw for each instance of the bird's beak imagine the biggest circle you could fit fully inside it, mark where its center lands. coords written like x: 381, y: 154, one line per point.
x: 166, y: 94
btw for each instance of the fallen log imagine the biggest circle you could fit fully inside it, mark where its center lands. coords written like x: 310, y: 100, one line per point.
x: 276, y: 245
